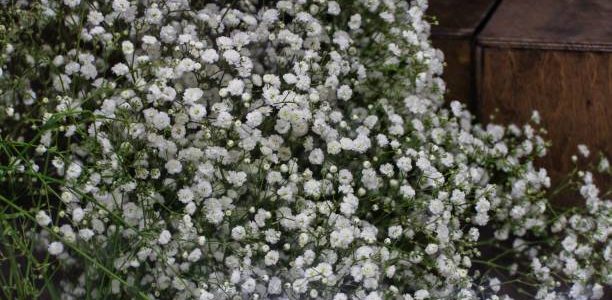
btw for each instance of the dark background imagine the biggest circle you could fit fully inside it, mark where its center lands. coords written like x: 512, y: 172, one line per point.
x: 506, y: 58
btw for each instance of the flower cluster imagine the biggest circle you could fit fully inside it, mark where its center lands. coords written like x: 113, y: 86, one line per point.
x: 280, y: 150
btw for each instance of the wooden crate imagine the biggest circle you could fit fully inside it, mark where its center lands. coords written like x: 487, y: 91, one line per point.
x: 554, y: 56
x: 458, y: 23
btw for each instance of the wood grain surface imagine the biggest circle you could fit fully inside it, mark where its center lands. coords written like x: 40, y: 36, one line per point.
x: 459, y: 18
x: 458, y: 22
x: 458, y: 72
x: 572, y: 90
x: 551, y: 24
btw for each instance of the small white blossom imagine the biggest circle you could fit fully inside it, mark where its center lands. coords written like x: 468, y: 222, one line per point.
x: 42, y: 218
x: 164, y: 237
x: 174, y: 166
x: 56, y: 248
x: 271, y: 258
x: 127, y: 47
x: 72, y: 3
x: 238, y: 233
x: 345, y: 92
x: 191, y: 95
x: 120, y: 69
x: 210, y: 56
x: 235, y: 87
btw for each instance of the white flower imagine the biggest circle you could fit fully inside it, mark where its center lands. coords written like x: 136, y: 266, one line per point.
x: 164, y: 237
x: 341, y: 238
x: 387, y: 16
x: 127, y: 47
x: 78, y: 214
x: 404, y: 163
x: 167, y: 34
x: 120, y: 69
x: 185, y: 195
x: 436, y: 206
x: 236, y: 178
x: 569, y: 243
x: 421, y: 294
x: 205, y: 295
x: 349, y: 205
x: 86, y: 234
x: 584, y: 150
x: 334, y: 147
x: 72, y: 67
x: 290, y: 78
x: 61, y: 82
x: 316, y: 156
x: 270, y: 16
x: 174, y: 166
x: 254, y: 118
x: 197, y: 112
x: 194, y: 255
x: 340, y: 296
x: 72, y: 3
x: 161, y: 120
x: 271, y: 258
x: 74, y: 171
x: 355, y: 22
x: 210, y: 56
x: 343, y: 40
x: 214, y: 213
x: 604, y: 165
x: 121, y: 5
x: 474, y: 234
x: 235, y: 87
x: 312, y: 188
x: 345, y: 92
x: 333, y: 8
x: 483, y: 206
x: 495, y: 284
x: 271, y: 156
x: 56, y: 248
x: 598, y: 291
x: 431, y: 249
x: 67, y: 197
x: 42, y: 218
x: 89, y: 71
x: 387, y: 170
x: 369, y: 179
x: 274, y: 286
x: 224, y: 120
x: 535, y: 117
x: 395, y: 231
x: 238, y: 233
x: 191, y: 95
x: 231, y: 56
x: 153, y: 15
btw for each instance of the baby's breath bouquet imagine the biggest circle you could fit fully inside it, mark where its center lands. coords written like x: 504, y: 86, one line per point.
x: 248, y: 149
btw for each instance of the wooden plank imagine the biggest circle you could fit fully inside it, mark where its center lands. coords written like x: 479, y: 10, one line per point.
x: 571, y: 90
x: 458, y: 72
x: 551, y: 24
x: 457, y: 18
x: 458, y: 22
x: 554, y: 56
